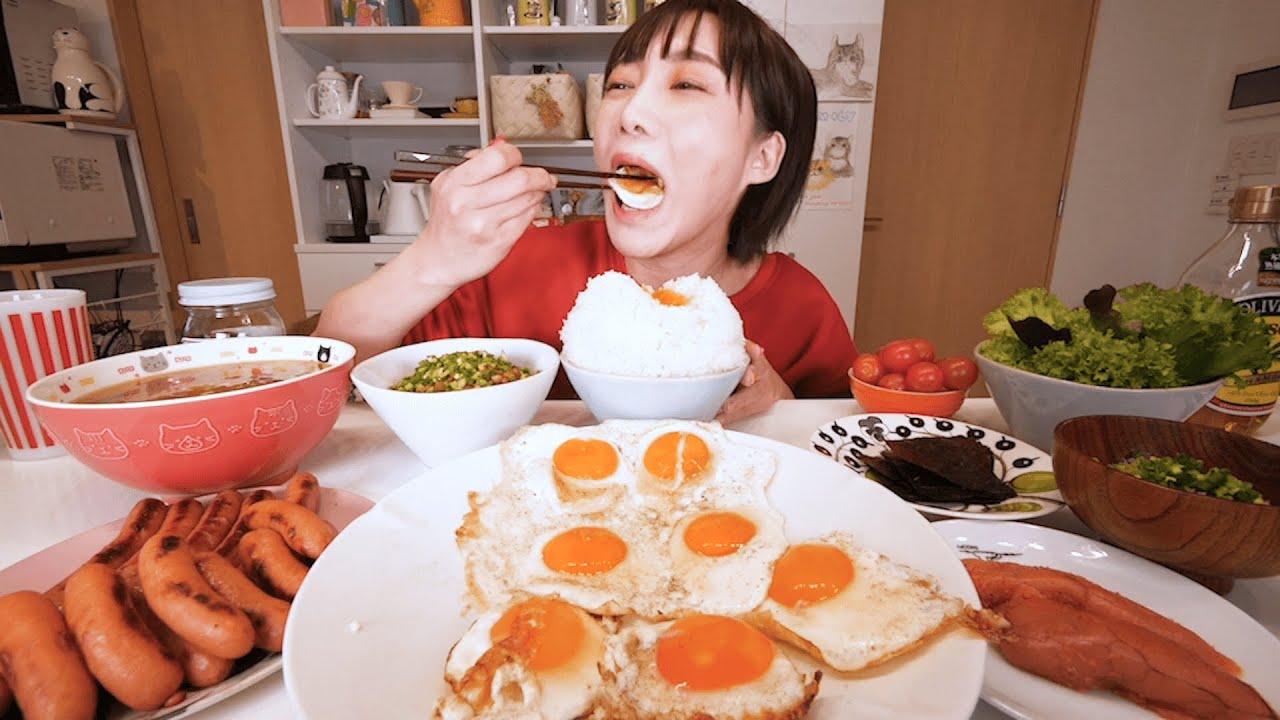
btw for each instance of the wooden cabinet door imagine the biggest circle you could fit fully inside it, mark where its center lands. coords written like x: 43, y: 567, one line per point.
x: 213, y: 106
x: 975, y: 114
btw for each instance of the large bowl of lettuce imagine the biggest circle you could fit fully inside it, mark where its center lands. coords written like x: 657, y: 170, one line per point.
x: 1142, y: 350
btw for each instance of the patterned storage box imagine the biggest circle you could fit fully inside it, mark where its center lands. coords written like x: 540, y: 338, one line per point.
x: 537, y: 107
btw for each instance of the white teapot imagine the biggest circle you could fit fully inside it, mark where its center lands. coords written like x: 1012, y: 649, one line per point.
x: 329, y: 97
x: 82, y: 85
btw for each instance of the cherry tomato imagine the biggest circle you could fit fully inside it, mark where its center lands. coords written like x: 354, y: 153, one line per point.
x: 924, y: 377
x: 893, y: 381
x: 899, y: 355
x: 958, y: 373
x: 867, y: 368
x: 924, y: 348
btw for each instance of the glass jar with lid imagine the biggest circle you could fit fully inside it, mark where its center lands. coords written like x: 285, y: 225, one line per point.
x: 229, y: 307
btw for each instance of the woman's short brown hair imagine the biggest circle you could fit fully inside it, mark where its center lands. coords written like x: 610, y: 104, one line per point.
x: 757, y: 60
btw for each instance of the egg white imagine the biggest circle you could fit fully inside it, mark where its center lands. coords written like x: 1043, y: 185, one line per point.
x: 731, y: 584
x: 561, y: 693
x: 888, y: 609
x: 635, y: 689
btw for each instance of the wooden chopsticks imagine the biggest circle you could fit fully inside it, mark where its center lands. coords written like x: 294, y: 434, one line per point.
x: 398, y: 175
x: 450, y: 160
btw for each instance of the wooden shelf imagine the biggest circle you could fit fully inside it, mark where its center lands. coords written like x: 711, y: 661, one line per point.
x: 60, y: 118
x: 459, y: 129
x: 385, y: 44
x: 564, y: 43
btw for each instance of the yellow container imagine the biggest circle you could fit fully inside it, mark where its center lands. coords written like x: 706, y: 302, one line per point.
x: 440, y: 13
x: 534, y: 12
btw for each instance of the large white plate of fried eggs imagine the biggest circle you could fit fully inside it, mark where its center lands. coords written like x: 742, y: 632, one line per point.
x: 636, y: 569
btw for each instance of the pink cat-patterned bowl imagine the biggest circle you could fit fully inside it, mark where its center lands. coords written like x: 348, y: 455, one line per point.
x: 255, y: 433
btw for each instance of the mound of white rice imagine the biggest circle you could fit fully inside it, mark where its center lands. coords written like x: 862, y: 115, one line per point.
x: 618, y: 326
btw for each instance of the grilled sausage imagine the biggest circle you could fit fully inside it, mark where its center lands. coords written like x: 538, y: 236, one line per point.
x: 268, y: 614
x: 121, y: 652
x: 142, y: 522
x: 303, y: 489
x: 181, y: 598
x: 198, y: 667
x: 307, y: 533
x: 182, y: 517
x: 40, y: 662
x: 219, y: 516
x: 241, y: 527
x: 268, y: 561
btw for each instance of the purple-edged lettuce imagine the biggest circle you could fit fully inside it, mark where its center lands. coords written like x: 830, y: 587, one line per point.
x: 1140, y: 337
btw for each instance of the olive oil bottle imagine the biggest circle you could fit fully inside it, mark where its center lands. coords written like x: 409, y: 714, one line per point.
x: 1244, y: 266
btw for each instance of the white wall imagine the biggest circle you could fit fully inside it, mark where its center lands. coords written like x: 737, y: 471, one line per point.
x: 1151, y: 137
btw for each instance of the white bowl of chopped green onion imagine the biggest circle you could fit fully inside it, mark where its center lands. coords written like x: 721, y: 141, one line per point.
x: 446, y: 398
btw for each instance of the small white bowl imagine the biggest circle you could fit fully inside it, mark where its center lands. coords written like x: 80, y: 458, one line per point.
x: 441, y: 426
x: 642, y: 398
x: 1033, y: 405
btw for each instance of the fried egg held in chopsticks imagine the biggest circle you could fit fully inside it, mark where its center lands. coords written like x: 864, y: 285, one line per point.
x: 637, y: 193
x: 849, y: 606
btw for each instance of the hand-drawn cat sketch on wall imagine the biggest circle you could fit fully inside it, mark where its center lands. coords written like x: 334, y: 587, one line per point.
x: 841, y: 79
x: 838, y: 156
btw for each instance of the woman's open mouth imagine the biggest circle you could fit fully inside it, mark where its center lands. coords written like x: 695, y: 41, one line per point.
x: 638, y: 193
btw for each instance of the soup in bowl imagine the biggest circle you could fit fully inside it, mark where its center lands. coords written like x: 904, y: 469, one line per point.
x: 200, y: 417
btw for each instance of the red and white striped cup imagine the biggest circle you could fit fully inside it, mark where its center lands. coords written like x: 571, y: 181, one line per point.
x: 41, y: 332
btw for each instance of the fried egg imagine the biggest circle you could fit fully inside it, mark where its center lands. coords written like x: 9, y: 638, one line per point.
x: 721, y: 558
x: 640, y: 194
x: 539, y: 659
x: 686, y: 465
x: 849, y: 606
x: 581, y: 469
x: 701, y: 666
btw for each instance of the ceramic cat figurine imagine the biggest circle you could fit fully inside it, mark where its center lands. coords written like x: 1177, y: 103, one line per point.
x: 842, y: 75
x: 837, y: 155
x: 81, y: 85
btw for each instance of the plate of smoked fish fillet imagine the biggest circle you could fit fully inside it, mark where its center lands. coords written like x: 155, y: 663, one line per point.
x: 943, y: 466
x: 1080, y: 629
x: 110, y: 590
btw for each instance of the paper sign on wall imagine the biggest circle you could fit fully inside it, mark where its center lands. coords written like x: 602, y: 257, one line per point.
x: 831, y: 170
x: 840, y: 57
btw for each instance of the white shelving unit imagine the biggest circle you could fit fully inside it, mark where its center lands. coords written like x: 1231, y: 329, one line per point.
x: 447, y: 62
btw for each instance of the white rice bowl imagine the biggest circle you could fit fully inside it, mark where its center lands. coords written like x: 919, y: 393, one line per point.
x: 618, y: 326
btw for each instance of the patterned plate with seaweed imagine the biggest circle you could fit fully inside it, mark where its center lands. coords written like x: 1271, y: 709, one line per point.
x: 1029, y: 470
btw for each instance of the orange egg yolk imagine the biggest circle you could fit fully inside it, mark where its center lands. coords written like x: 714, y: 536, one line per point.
x: 546, y: 632
x: 719, y: 534
x: 712, y: 652
x: 809, y: 574
x: 584, y: 551
x: 667, y: 296
x: 585, y: 459
x: 686, y: 451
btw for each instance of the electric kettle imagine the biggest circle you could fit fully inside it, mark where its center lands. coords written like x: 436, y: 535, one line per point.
x: 345, y: 194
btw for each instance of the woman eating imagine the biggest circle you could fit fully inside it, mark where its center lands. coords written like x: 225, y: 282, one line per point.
x: 710, y: 100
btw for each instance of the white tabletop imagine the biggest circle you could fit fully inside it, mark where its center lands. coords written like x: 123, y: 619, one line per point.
x: 46, y: 501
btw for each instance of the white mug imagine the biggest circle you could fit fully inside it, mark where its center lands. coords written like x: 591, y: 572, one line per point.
x: 399, y: 91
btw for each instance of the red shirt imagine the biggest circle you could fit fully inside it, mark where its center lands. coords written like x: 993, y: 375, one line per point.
x: 784, y: 308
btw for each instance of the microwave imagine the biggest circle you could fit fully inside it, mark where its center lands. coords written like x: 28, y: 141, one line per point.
x: 26, y: 53
x: 62, y: 187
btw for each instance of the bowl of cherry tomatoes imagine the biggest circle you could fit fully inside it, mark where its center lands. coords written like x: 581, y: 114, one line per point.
x: 906, y: 376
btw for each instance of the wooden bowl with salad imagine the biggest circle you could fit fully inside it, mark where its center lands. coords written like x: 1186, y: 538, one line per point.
x: 1203, y: 501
